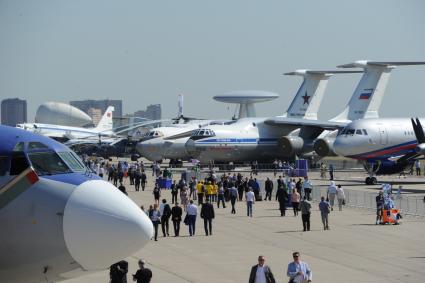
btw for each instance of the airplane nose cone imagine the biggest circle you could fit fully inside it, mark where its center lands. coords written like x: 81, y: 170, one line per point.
x: 101, y: 225
x: 340, y: 146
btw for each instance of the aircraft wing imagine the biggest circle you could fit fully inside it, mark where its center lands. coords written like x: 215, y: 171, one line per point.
x: 179, y: 136
x: 298, y: 122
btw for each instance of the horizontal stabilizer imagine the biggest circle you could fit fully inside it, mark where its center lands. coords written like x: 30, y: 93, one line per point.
x: 365, y: 63
x: 320, y: 72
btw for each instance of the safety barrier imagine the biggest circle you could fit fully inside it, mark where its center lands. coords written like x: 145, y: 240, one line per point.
x: 409, y: 205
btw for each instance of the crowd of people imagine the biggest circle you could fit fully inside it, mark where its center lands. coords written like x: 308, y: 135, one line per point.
x: 200, y: 197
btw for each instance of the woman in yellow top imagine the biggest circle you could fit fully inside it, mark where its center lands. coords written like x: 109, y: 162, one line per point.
x: 200, y: 191
x: 214, y: 192
x: 209, y: 187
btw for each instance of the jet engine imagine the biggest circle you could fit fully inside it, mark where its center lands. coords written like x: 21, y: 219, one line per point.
x: 325, y: 147
x: 420, y: 148
x: 291, y: 145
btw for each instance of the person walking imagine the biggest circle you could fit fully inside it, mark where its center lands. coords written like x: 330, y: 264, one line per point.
x: 268, y: 186
x: 176, y: 217
x: 325, y: 209
x: 207, y: 213
x: 118, y: 272
x: 200, y: 189
x: 418, y: 167
x: 379, y: 207
x: 174, y: 192
x: 143, y: 179
x: 192, y: 212
x: 143, y: 275
x: 233, y: 192
x: 299, y: 271
x: 261, y: 273
x: 305, y: 207
x: 184, y: 198
x: 282, y: 197
x: 331, y: 172
x: 156, y: 193
x: 165, y: 211
x: 340, y: 195
x: 155, y: 217
x: 295, y: 200
x: 220, y: 194
x: 250, y: 200
x: 331, y: 194
x: 137, y: 178
x: 307, y: 188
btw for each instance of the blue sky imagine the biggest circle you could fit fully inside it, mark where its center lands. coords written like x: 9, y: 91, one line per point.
x: 148, y: 52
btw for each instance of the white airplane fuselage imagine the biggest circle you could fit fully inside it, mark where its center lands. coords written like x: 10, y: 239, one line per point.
x: 245, y: 140
x: 384, y: 138
x: 61, y: 132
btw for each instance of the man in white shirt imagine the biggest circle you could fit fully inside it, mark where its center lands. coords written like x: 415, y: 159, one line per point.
x: 250, y: 199
x: 192, y: 212
x: 261, y: 273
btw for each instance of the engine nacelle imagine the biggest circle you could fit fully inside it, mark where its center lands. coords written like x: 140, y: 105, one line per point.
x: 291, y: 145
x: 325, y: 147
x: 420, y: 148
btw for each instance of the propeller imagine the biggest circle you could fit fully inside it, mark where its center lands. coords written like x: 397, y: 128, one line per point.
x: 420, y: 136
x: 184, y: 118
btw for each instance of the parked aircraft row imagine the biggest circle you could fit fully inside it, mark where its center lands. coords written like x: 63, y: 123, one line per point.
x: 298, y: 132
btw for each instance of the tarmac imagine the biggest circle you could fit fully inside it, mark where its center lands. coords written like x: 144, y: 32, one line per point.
x: 353, y: 250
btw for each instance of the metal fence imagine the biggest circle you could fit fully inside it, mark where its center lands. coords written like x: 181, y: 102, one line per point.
x: 409, y: 205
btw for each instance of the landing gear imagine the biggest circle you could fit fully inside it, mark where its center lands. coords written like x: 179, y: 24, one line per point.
x: 371, y: 181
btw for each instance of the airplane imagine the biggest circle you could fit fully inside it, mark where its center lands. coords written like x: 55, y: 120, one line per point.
x: 65, y: 133
x: 58, y: 219
x: 370, y: 91
x: 296, y: 136
x: 168, y: 142
x: 260, y: 139
x: 385, y: 146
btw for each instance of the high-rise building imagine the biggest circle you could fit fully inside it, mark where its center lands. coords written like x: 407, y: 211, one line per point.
x: 85, y: 105
x: 152, y: 112
x: 13, y: 111
x: 95, y: 114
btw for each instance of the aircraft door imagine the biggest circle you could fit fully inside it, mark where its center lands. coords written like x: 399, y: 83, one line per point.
x: 383, y: 136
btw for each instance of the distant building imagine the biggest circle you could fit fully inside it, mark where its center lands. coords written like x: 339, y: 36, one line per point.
x: 152, y: 112
x: 95, y: 114
x: 85, y: 105
x: 13, y: 111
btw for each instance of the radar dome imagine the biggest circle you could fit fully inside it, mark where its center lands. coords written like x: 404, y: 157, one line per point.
x: 61, y: 114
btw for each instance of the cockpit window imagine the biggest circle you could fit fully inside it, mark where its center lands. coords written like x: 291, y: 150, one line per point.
x: 18, y: 163
x: 48, y: 163
x: 19, y: 146
x: 71, y: 161
x: 349, y: 132
x: 4, y: 166
x: 364, y: 132
x: 36, y: 145
x: 359, y: 132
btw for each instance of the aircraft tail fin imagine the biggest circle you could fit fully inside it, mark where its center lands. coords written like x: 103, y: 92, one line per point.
x: 367, y: 97
x: 105, y: 123
x: 309, y: 96
x: 180, y: 105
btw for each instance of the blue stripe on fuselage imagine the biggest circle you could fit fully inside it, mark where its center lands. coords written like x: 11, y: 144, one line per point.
x: 238, y: 140
x: 72, y: 178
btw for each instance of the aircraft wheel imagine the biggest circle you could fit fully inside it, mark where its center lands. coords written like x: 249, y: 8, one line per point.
x: 368, y: 181
x: 373, y: 181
